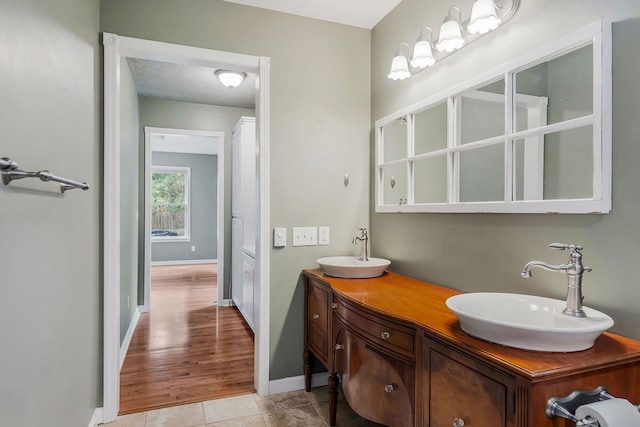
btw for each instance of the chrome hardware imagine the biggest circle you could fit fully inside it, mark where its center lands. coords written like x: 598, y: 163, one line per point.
x: 363, y: 239
x: 389, y: 388
x: 574, y: 270
x: 316, y: 316
x: 392, y: 182
x: 339, y: 346
x: 6, y: 164
x: 458, y: 422
x: 565, y: 407
x: 334, y: 305
x: 385, y: 335
x: 346, y: 180
x: 10, y: 172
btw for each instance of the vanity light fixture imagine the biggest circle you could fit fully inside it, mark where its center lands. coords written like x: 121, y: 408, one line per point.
x: 486, y: 15
x: 483, y: 17
x: 422, y: 52
x: 451, y: 32
x: 400, y: 64
x: 230, y: 78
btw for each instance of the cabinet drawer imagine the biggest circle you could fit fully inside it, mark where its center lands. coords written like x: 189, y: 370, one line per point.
x: 317, y: 319
x: 458, y: 388
x: 391, y: 336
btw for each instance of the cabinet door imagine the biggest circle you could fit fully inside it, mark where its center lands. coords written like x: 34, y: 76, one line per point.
x: 236, y: 262
x: 460, y: 392
x: 317, y: 320
x: 377, y: 386
x: 247, y: 288
x: 236, y: 174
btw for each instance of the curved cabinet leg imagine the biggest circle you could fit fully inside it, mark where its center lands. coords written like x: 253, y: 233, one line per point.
x: 307, y: 370
x: 333, y: 397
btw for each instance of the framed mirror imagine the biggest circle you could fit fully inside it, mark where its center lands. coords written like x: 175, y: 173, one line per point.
x: 530, y: 136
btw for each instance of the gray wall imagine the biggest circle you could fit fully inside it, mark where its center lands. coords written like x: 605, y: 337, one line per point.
x: 486, y: 252
x: 50, y: 310
x: 129, y: 195
x: 203, y: 207
x: 183, y: 115
x: 320, y: 124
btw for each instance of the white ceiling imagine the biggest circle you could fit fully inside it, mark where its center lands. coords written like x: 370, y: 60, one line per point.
x: 358, y: 13
x: 189, y: 83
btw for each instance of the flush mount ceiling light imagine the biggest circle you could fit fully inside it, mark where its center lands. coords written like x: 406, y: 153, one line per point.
x: 485, y: 16
x: 230, y: 78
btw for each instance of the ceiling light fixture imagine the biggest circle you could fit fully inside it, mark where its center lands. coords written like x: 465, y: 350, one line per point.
x: 486, y: 15
x: 230, y: 78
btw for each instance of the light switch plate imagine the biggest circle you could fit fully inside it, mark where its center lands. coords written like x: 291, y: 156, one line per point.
x: 305, y: 236
x: 279, y: 237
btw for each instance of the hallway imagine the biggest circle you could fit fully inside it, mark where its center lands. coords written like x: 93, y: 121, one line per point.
x: 187, y: 349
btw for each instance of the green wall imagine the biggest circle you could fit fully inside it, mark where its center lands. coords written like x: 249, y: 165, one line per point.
x: 320, y: 122
x: 486, y: 252
x: 50, y: 281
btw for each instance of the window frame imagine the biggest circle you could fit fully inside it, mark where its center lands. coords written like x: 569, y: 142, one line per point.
x: 187, y: 211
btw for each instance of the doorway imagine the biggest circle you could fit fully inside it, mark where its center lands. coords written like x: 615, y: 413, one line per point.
x: 118, y: 47
x: 194, y: 142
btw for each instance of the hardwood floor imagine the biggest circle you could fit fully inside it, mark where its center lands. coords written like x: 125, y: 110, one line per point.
x: 187, y: 349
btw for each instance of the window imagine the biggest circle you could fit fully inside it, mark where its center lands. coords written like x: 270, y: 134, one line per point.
x: 170, y: 201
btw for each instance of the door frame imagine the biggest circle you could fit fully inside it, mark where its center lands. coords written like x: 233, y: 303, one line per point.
x: 217, y: 138
x: 115, y: 48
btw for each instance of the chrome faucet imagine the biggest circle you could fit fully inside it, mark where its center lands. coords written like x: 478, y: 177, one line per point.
x: 363, y: 239
x: 574, y: 270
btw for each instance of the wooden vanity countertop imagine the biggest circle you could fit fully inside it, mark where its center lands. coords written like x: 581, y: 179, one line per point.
x: 423, y: 304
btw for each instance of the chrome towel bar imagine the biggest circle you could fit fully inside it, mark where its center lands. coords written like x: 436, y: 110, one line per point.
x: 10, y: 172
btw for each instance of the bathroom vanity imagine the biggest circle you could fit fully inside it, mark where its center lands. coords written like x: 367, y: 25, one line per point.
x: 403, y: 360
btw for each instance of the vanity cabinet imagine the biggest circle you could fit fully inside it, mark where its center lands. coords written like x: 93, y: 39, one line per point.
x: 403, y: 360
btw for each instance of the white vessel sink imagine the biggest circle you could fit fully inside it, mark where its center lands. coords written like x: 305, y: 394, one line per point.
x: 527, y: 321
x: 350, y: 267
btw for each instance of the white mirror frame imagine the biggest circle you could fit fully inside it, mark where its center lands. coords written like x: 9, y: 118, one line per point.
x: 597, y: 34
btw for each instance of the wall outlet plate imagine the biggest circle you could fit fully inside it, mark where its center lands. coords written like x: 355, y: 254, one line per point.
x: 323, y: 235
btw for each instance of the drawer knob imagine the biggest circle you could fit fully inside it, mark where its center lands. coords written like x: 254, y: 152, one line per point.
x: 334, y: 305
x: 316, y: 316
x: 385, y: 335
x: 339, y: 346
x: 458, y: 422
x: 389, y: 388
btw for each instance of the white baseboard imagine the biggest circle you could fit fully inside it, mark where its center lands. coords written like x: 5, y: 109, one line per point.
x: 96, y: 418
x: 127, y: 338
x: 186, y: 262
x: 225, y: 303
x: 297, y: 383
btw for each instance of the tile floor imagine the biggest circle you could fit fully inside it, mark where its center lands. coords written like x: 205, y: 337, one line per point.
x: 296, y: 408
